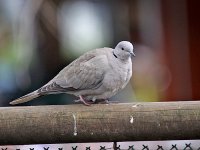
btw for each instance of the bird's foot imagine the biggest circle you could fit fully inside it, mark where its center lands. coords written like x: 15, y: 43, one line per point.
x: 81, y: 99
x: 102, y: 101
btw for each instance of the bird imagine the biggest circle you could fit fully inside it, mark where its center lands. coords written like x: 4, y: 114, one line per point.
x: 98, y: 74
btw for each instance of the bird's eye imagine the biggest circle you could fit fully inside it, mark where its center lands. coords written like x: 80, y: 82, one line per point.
x: 122, y: 48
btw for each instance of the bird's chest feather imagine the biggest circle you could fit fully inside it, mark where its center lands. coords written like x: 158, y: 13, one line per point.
x: 118, y: 77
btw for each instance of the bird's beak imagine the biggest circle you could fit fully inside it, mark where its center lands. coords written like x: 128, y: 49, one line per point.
x: 132, y: 54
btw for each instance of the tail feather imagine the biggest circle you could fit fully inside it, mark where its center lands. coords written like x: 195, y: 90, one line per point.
x: 25, y: 98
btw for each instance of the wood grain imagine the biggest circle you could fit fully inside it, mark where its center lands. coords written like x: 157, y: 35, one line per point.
x: 99, y: 123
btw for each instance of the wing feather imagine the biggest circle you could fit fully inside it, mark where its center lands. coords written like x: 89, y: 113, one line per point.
x: 84, y: 73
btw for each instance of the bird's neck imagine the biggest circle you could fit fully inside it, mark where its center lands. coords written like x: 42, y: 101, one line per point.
x: 120, y: 56
x: 114, y: 55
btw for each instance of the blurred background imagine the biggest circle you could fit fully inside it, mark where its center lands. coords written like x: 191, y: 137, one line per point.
x: 39, y: 38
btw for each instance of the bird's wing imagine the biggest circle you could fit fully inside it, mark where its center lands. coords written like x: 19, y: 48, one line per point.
x: 86, y: 72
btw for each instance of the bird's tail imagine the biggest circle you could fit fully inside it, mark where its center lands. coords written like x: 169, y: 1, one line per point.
x: 26, y: 98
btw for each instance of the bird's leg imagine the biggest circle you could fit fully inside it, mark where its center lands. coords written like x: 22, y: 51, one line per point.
x: 81, y: 99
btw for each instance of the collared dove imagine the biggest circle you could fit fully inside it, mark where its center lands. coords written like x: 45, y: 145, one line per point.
x: 96, y: 75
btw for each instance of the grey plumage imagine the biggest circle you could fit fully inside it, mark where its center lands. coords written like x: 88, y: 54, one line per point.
x: 97, y: 74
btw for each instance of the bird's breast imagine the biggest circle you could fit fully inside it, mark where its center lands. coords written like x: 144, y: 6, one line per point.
x: 118, y: 78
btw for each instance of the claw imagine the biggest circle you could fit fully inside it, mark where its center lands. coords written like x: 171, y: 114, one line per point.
x: 83, y: 101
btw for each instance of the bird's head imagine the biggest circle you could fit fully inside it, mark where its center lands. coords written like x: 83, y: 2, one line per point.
x: 124, y: 50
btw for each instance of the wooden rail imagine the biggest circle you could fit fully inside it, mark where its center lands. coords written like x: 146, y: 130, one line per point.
x: 99, y: 123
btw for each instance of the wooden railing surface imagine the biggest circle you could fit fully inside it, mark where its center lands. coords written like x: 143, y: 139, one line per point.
x: 99, y: 123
